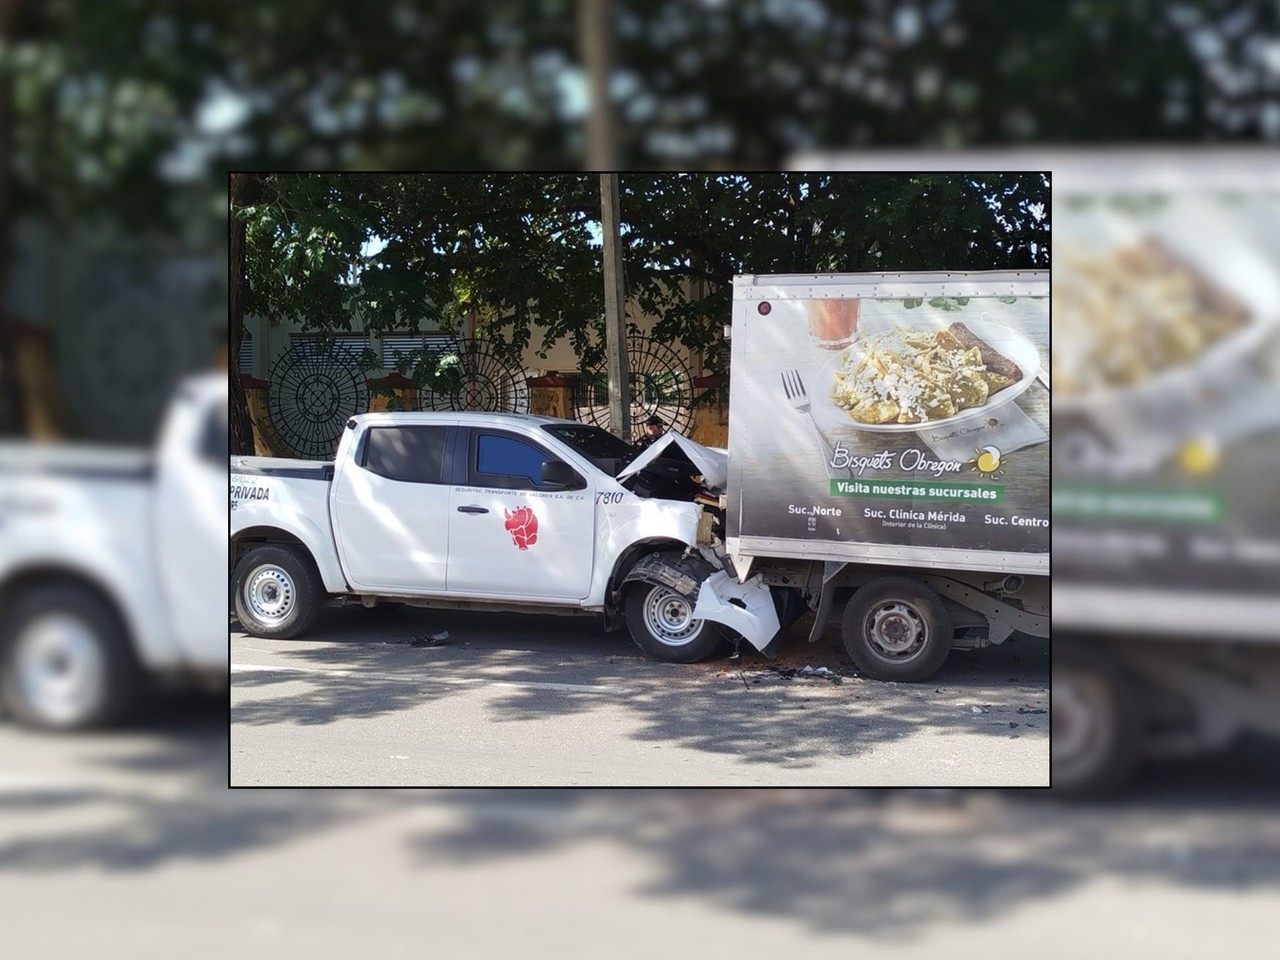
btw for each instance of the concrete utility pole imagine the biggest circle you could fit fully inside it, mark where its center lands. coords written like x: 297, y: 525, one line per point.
x: 595, y: 50
x: 615, y: 321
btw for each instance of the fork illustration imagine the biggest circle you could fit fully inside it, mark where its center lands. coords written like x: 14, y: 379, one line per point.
x: 793, y: 387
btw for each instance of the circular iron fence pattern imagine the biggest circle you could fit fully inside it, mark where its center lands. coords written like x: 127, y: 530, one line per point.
x: 661, y: 385
x: 472, y: 376
x: 116, y: 351
x: 314, y: 391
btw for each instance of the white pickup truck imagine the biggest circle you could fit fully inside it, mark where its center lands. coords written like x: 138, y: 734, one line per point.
x: 498, y: 512
x: 106, y: 557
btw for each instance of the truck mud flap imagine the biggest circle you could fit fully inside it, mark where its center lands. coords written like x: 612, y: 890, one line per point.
x: 823, y: 613
x: 746, y: 608
x: 826, y: 598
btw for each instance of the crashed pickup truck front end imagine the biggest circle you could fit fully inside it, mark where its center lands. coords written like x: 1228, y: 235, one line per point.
x: 678, y: 469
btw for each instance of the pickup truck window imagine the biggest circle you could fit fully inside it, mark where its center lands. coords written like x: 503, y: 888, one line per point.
x: 408, y: 454
x: 506, y: 462
x: 602, y: 448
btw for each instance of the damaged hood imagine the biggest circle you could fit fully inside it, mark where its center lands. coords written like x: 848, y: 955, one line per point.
x: 713, y: 465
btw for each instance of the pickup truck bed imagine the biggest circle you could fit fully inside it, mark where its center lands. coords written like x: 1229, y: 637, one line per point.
x: 84, y: 460
x: 280, y: 467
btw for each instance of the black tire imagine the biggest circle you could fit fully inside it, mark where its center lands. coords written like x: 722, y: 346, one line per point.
x: 65, y: 660
x: 896, y: 628
x: 1095, y: 729
x: 649, y: 606
x: 277, y: 577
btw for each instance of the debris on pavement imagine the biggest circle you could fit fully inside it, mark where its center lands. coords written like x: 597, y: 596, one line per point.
x: 435, y: 640
x: 438, y: 639
x: 777, y: 674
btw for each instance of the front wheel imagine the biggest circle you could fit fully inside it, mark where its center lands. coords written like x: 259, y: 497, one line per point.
x: 278, y: 592
x: 662, y: 624
x: 896, y: 628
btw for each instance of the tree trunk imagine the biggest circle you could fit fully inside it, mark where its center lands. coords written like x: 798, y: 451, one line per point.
x: 245, y: 188
x: 12, y: 413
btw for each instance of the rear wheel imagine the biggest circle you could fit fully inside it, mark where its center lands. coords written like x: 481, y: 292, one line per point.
x: 1094, y: 728
x: 662, y: 624
x: 65, y: 660
x: 278, y: 592
x: 896, y: 628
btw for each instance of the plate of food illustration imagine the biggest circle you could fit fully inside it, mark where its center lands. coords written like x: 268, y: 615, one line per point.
x: 909, y: 378
x: 1140, y: 322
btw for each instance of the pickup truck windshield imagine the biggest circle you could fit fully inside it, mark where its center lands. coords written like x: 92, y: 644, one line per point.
x: 599, y: 446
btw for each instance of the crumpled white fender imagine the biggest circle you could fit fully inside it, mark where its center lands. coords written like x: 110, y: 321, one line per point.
x: 756, y: 620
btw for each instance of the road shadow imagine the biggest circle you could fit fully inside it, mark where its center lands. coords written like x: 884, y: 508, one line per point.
x: 884, y: 863
x: 880, y: 863
x: 362, y: 666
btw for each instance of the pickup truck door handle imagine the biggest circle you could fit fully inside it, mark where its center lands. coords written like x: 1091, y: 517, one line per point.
x: 473, y: 509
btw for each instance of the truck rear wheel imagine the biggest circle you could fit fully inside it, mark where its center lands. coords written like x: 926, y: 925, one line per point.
x: 662, y: 624
x: 278, y: 592
x: 896, y: 628
x: 65, y: 660
x: 1094, y: 729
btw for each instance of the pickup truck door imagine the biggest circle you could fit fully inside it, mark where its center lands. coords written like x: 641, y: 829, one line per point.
x: 390, y: 509
x: 512, y: 534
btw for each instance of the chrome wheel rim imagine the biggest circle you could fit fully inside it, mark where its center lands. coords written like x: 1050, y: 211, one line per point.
x: 897, y: 631
x: 269, y: 593
x: 669, y: 618
x: 60, y: 668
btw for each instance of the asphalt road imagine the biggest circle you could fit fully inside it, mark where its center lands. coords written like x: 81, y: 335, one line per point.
x: 516, y: 700
x: 127, y: 844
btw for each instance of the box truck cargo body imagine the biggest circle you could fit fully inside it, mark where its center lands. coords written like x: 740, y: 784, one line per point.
x: 889, y: 448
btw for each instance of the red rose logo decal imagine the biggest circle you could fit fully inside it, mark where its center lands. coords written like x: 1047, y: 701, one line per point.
x: 523, y: 526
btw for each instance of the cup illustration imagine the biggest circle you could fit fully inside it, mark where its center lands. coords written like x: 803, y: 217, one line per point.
x: 833, y: 323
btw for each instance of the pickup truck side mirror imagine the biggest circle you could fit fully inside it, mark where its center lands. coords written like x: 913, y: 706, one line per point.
x: 560, y: 473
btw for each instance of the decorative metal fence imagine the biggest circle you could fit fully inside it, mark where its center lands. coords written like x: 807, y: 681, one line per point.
x: 472, y: 375
x: 661, y: 384
x: 314, y: 389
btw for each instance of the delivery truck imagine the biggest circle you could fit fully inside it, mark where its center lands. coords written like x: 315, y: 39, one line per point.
x: 1166, y: 358
x: 922, y: 515
x: 1166, y: 366
x: 889, y: 457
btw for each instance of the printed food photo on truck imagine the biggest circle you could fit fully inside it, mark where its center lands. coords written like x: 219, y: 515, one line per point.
x: 920, y: 426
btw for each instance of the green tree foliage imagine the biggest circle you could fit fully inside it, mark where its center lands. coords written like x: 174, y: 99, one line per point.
x: 118, y: 105
x: 521, y: 252
x: 709, y: 228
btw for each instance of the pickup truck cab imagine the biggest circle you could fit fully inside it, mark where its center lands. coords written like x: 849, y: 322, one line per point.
x: 488, y: 511
x: 106, y: 556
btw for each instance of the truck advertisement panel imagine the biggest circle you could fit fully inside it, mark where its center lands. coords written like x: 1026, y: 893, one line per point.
x: 1166, y: 366
x: 900, y: 418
